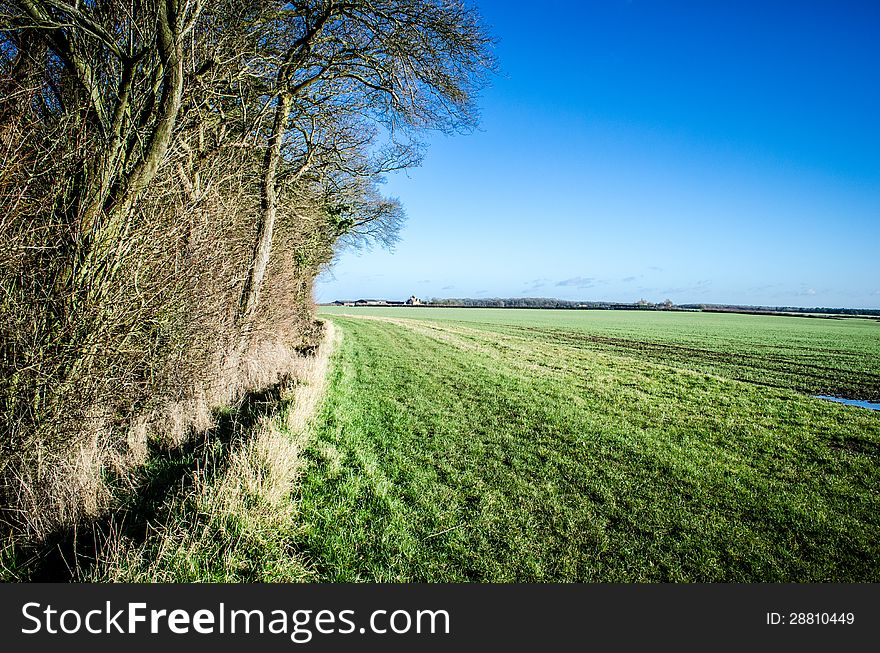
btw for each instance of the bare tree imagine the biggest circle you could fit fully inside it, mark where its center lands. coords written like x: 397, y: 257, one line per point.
x: 173, y: 174
x: 359, y: 72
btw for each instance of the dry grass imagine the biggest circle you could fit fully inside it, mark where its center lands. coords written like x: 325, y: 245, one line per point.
x: 238, y: 524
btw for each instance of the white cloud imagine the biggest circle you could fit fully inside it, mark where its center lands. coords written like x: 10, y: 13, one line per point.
x: 534, y: 284
x: 577, y: 282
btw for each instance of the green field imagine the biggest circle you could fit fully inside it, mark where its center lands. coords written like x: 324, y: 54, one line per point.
x: 517, y: 445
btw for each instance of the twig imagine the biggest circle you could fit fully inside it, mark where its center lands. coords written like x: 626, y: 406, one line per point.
x: 451, y: 528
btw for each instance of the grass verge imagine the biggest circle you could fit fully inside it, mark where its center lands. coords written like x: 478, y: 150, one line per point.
x: 237, y: 523
x: 219, y: 509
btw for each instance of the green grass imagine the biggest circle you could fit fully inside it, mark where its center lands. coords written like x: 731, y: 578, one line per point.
x: 513, y: 445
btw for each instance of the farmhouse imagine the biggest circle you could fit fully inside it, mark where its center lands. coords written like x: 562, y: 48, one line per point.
x: 412, y: 301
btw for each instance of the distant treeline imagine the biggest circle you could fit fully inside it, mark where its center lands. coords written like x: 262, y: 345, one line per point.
x: 781, y: 309
x: 549, y: 302
x: 545, y: 302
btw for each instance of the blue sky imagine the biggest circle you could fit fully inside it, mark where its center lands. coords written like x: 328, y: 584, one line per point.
x: 681, y: 150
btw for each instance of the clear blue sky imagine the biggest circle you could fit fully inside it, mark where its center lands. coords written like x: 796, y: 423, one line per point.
x: 696, y: 151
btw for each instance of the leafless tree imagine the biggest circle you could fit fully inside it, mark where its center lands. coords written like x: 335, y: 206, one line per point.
x: 173, y: 174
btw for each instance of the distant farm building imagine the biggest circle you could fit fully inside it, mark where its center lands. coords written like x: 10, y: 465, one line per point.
x: 412, y: 301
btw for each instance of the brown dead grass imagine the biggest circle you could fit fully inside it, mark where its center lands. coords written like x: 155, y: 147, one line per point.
x: 237, y: 525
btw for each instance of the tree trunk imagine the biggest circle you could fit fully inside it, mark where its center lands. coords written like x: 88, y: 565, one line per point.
x: 269, y: 207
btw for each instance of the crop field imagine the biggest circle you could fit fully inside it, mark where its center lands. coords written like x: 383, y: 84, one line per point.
x: 518, y: 445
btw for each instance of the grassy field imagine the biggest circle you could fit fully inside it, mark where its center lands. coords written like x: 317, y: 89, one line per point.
x: 515, y: 445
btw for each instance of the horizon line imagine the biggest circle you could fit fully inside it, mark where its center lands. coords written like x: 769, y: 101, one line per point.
x: 639, y: 302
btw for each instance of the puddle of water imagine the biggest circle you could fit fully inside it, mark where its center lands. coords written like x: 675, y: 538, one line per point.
x: 870, y: 405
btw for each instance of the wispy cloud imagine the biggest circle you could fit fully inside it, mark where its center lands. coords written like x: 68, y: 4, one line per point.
x: 448, y: 288
x: 655, y: 268
x: 629, y: 279
x: 766, y: 286
x: 425, y: 281
x: 701, y: 286
x: 577, y: 282
x: 803, y: 291
x: 534, y: 284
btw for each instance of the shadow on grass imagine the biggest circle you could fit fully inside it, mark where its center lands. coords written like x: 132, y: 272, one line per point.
x: 66, y: 555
